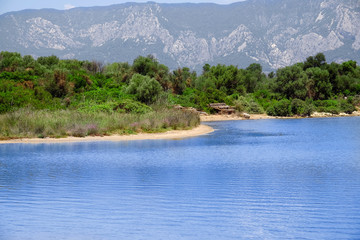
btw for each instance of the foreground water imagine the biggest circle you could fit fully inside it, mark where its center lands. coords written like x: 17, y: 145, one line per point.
x: 264, y: 179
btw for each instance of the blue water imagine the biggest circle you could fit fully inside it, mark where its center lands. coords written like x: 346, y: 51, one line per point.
x: 263, y: 179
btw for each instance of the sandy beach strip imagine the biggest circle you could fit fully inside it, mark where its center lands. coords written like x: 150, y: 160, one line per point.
x: 173, y: 134
x: 216, y: 118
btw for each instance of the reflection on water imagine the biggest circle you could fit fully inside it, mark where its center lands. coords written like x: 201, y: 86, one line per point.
x: 265, y: 179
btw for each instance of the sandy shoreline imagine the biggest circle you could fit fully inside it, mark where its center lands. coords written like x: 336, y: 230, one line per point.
x: 174, y: 134
x: 215, y: 118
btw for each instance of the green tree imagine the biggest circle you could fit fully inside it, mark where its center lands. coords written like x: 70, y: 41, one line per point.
x: 319, y: 86
x: 348, y: 67
x: 149, y: 66
x: 94, y: 67
x: 253, y: 77
x: 144, y: 88
x: 10, y: 61
x: 291, y: 82
x: 280, y: 108
x: 120, y: 72
x: 29, y: 62
x: 48, y: 61
x: 318, y: 60
x: 301, y: 108
x: 180, y: 79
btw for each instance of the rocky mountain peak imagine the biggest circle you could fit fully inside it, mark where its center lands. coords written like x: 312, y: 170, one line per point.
x: 274, y: 33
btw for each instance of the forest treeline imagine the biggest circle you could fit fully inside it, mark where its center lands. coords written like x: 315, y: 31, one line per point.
x: 51, y: 83
x: 91, y: 87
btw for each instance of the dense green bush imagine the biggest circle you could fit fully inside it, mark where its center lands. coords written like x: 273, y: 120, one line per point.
x: 280, y: 108
x: 247, y: 104
x: 346, y: 107
x: 131, y: 106
x: 13, y: 96
x: 330, y: 106
x: 144, y: 88
x: 301, y: 108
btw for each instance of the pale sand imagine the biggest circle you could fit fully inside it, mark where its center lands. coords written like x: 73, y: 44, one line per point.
x: 215, y: 118
x: 174, y: 134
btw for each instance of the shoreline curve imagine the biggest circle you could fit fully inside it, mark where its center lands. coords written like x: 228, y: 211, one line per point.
x: 172, y: 134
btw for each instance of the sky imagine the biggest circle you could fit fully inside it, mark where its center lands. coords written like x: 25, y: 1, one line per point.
x: 17, y: 5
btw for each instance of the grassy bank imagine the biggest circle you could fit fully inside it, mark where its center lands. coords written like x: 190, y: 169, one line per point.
x: 27, y: 123
x: 50, y: 97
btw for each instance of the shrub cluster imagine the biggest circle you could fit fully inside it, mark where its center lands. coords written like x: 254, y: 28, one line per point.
x: 49, y: 84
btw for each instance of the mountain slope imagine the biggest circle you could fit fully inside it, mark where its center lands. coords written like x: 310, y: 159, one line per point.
x: 274, y: 33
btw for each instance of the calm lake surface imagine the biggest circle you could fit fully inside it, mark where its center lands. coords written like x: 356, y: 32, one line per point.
x: 263, y: 179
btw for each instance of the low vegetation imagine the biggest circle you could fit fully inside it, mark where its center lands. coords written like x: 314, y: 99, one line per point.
x: 26, y: 123
x: 52, y: 97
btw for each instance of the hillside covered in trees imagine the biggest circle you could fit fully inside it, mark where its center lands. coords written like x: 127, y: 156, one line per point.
x: 31, y: 88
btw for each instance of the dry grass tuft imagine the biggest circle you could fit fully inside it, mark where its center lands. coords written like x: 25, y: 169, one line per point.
x: 28, y: 123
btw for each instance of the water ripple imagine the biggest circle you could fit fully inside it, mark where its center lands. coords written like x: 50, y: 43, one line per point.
x: 270, y: 179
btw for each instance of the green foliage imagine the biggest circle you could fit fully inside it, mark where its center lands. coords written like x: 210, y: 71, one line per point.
x: 10, y: 61
x: 318, y: 85
x: 13, y: 96
x: 93, y: 67
x: 292, y: 82
x: 58, y: 85
x: 93, y: 87
x: 301, y: 108
x: 280, y: 108
x: 187, y: 99
x: 121, y: 106
x: 347, y: 107
x: 144, y: 88
x: 100, y: 95
x: 348, y: 67
x: 248, y: 104
x: 182, y: 78
x: 80, y: 80
x: 119, y: 72
x: 48, y: 61
x: 316, y: 61
x: 149, y: 66
x: 18, y: 76
x: 253, y: 77
x: 131, y: 106
x: 334, y: 106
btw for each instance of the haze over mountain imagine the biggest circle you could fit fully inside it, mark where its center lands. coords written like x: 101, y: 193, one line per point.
x: 274, y: 33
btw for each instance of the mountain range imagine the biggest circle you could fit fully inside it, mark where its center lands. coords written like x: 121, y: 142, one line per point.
x: 274, y: 33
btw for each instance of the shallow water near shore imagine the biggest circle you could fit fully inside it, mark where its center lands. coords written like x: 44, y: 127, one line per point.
x: 263, y: 179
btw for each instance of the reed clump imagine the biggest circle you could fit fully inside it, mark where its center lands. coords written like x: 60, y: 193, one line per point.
x: 29, y: 123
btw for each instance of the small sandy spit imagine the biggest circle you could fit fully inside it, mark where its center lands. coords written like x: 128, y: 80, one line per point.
x: 174, y: 134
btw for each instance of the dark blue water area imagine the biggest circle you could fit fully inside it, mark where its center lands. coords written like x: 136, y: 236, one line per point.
x: 263, y: 179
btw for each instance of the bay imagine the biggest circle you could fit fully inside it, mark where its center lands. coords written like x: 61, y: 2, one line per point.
x: 263, y: 179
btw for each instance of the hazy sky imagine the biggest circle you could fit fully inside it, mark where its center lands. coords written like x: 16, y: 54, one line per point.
x: 16, y: 5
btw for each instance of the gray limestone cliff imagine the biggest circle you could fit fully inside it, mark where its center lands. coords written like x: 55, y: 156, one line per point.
x: 274, y: 33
